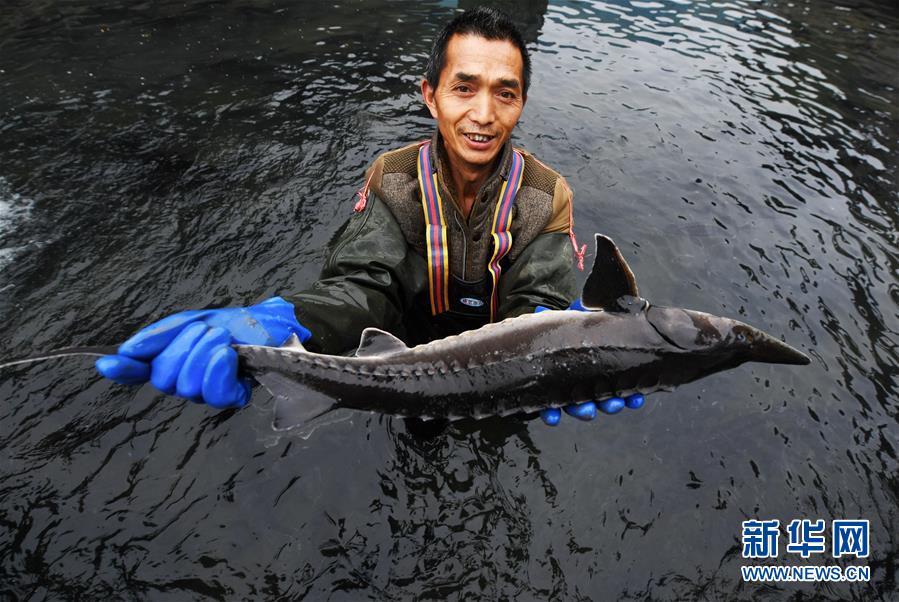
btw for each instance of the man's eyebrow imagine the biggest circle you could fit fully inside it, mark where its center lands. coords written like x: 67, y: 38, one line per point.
x: 505, y: 82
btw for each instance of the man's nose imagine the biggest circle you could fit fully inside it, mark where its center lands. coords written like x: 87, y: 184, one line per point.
x: 482, y: 110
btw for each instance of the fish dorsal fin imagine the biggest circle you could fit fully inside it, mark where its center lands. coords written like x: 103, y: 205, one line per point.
x: 375, y: 341
x: 293, y: 342
x: 610, y: 279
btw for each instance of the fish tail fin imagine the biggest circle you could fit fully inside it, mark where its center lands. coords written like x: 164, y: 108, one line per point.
x: 295, y: 403
x: 68, y: 352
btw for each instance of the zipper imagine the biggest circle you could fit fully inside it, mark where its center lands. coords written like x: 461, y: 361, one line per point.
x: 455, y: 209
x: 464, y: 243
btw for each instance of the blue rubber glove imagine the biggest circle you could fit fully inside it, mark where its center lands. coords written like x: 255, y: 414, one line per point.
x: 189, y: 354
x: 587, y: 409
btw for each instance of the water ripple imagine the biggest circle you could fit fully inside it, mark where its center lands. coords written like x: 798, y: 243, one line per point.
x: 165, y: 155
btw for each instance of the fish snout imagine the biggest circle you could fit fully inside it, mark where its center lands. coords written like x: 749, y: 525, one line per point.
x: 769, y: 350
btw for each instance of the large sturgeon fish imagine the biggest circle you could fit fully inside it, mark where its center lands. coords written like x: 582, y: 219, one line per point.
x: 523, y: 364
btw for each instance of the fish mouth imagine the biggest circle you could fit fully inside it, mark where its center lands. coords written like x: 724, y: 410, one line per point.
x: 773, y: 351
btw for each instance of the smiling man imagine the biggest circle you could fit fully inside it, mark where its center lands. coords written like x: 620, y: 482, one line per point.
x: 448, y: 234
x: 476, y: 96
x: 458, y: 230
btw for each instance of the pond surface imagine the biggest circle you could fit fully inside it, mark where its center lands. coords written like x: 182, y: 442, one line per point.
x: 157, y: 156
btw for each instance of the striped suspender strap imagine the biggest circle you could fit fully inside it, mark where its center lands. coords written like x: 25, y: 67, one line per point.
x: 435, y: 232
x: 502, y: 222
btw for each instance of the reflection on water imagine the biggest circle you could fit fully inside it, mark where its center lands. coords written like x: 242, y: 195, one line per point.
x: 13, y: 211
x: 174, y: 155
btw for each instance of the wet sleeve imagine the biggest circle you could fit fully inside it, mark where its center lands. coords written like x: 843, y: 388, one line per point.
x: 542, y: 275
x: 370, y: 279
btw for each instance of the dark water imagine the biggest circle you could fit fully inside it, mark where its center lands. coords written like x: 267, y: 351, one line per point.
x: 156, y: 156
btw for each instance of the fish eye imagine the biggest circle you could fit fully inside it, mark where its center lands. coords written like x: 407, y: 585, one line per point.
x: 745, y: 337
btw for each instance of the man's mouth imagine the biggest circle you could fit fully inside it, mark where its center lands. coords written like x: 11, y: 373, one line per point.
x: 479, y: 138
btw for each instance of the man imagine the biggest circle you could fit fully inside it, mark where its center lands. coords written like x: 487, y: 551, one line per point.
x: 448, y: 235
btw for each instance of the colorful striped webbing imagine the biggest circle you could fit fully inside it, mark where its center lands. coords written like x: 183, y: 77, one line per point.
x: 435, y: 232
x: 502, y: 222
x: 435, y: 229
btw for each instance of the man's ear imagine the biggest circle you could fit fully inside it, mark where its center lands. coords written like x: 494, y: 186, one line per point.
x: 427, y: 93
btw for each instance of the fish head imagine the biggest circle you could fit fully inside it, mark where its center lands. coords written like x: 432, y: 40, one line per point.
x: 728, y: 342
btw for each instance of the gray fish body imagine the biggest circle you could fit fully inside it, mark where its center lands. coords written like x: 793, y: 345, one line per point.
x: 620, y: 345
x: 522, y: 364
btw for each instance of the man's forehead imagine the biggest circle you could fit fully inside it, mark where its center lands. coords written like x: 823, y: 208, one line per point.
x: 477, y: 56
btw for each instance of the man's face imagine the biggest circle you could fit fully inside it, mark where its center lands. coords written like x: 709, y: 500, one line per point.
x: 478, y: 98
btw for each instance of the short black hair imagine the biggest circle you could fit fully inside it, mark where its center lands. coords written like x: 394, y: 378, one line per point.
x: 489, y: 23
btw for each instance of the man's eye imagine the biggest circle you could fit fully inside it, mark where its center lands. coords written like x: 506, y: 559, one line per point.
x: 463, y: 89
x: 508, y: 95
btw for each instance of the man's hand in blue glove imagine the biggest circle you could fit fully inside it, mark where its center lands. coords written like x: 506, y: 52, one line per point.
x: 189, y: 353
x: 587, y: 409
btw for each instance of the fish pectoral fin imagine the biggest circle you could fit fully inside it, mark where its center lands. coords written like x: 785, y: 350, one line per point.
x: 295, y: 403
x: 375, y: 341
x: 610, y: 279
